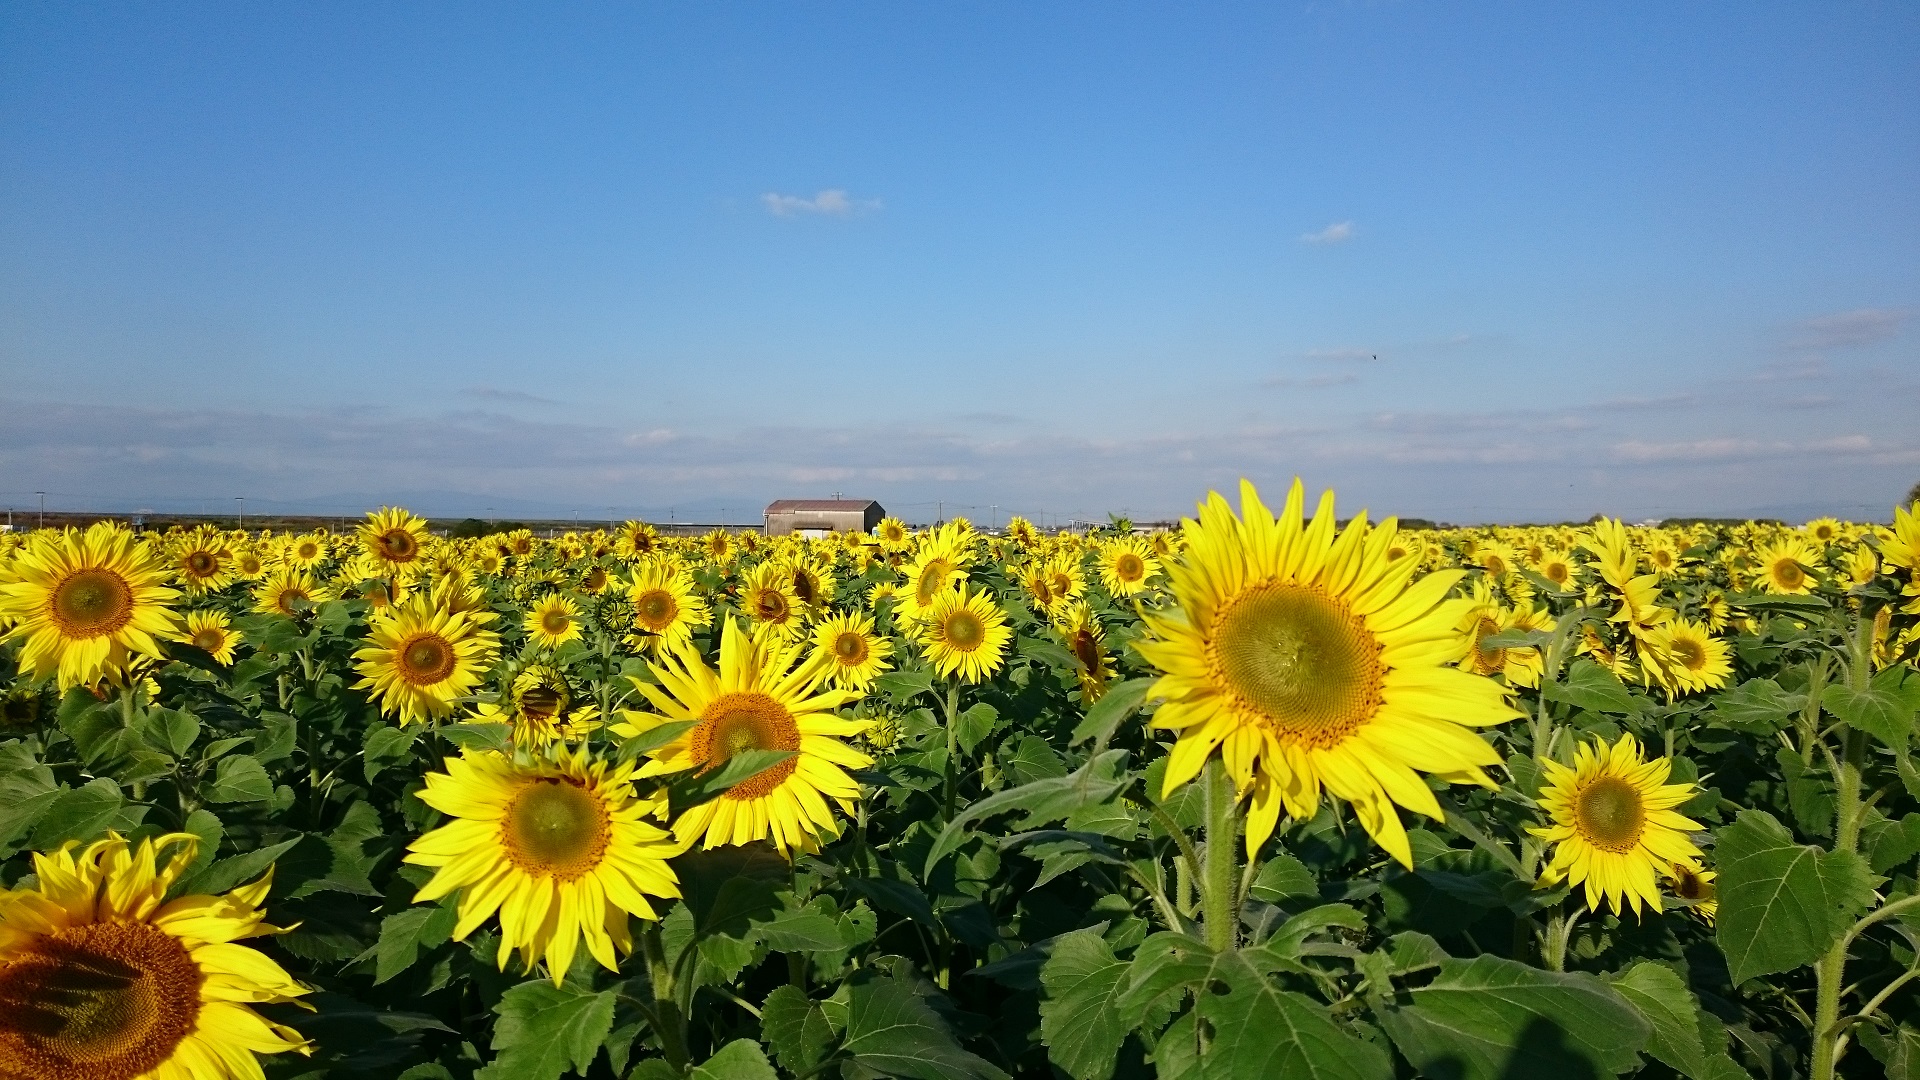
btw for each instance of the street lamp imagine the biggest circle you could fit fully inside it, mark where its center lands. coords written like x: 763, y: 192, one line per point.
x: 241, y: 503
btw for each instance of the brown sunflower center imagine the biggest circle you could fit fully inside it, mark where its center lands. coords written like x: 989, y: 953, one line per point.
x: 202, y: 563
x: 104, y: 1001
x: 398, y: 545
x: 1061, y: 582
x: 542, y: 701
x: 596, y: 579
x: 1086, y: 649
x: 963, y: 630
x: 656, y: 609
x: 1788, y: 573
x: 769, y: 605
x: 209, y: 639
x: 426, y: 659
x: 1493, y: 563
x: 932, y: 578
x: 250, y: 564
x: 1487, y: 660
x: 1610, y: 814
x: 1299, y: 660
x: 803, y: 586
x: 1129, y: 567
x: 556, y: 827
x: 1689, y: 885
x: 1556, y: 572
x: 850, y: 648
x: 555, y: 621
x: 308, y: 550
x: 1691, y: 653
x: 746, y: 720
x: 92, y: 603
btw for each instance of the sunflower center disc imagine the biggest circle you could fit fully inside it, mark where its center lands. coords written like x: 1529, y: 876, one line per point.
x: 803, y: 587
x: 1086, y: 650
x: 1299, y: 660
x: 1690, y: 654
x: 1788, y: 573
x: 398, y: 544
x: 1128, y: 567
x: 92, y: 603
x: 541, y: 701
x: 554, y: 827
x: 1487, y: 661
x: 201, y: 563
x: 746, y: 721
x: 555, y: 622
x: 208, y: 640
x: 656, y: 609
x: 105, y: 1001
x: 964, y: 630
x: 770, y: 606
x: 1610, y: 814
x: 426, y: 660
x: 851, y: 648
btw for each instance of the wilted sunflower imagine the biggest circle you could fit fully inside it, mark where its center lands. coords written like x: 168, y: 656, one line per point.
x: 211, y: 633
x: 1786, y: 566
x: 852, y: 652
x: 767, y: 597
x: 85, y: 604
x: 558, y: 847
x: 665, y: 608
x: 1308, y: 658
x: 1126, y: 565
x: 202, y: 560
x: 422, y: 658
x: 396, y: 540
x: 289, y: 592
x: 553, y: 622
x: 103, y: 978
x: 965, y: 634
x: 757, y: 700
x: 1614, y: 827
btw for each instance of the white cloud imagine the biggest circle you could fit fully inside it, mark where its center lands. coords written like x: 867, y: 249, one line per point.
x: 832, y: 202
x: 1848, y: 329
x: 1343, y: 355
x: 1313, y: 382
x: 1337, y: 233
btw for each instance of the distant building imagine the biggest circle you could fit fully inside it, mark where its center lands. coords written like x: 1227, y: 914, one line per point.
x: 818, y: 517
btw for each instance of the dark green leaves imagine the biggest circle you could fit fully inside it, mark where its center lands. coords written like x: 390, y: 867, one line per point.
x: 1119, y: 702
x: 239, y: 779
x: 798, y: 1029
x: 1043, y: 800
x: 893, y: 1031
x: 1884, y: 710
x: 1587, y: 685
x: 403, y: 934
x: 1684, y: 1038
x: 545, y: 1030
x: 1757, y: 706
x: 1781, y: 903
x: 1079, y: 1018
x: 1488, y: 1018
x: 1261, y: 1030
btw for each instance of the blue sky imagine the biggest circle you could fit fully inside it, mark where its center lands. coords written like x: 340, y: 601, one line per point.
x: 1474, y: 262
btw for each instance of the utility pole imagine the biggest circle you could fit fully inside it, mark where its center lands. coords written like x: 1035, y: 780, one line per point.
x: 43, y: 508
x: 993, y: 518
x: 242, y: 504
x: 939, y: 511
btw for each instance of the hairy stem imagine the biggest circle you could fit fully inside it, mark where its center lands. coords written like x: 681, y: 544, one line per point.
x: 1830, y: 971
x: 1219, y: 888
x: 668, y: 1021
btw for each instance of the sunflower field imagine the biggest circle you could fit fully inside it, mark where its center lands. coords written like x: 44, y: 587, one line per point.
x: 1273, y: 794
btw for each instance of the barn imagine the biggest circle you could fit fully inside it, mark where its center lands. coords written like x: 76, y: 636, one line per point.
x: 817, y: 517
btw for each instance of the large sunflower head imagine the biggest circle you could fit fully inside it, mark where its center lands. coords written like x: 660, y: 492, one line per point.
x: 396, y: 539
x: 289, y: 593
x: 851, y: 651
x: 423, y: 658
x: 103, y: 978
x: 1786, y: 566
x: 893, y: 534
x: 1126, y: 565
x: 665, y: 608
x: 1613, y: 824
x: 306, y: 551
x: 635, y: 540
x: 767, y: 597
x: 965, y: 634
x: 85, y: 605
x: 554, y: 621
x: 202, y: 560
x: 1307, y: 658
x: 557, y: 845
x: 762, y: 697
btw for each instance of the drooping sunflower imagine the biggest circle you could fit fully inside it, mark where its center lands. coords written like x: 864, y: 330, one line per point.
x: 666, y: 611
x: 761, y: 698
x: 853, y: 653
x: 1683, y: 656
x: 290, y: 593
x: 768, y: 598
x: 1695, y: 883
x: 557, y: 846
x: 396, y: 540
x: 1080, y: 629
x: 965, y: 634
x: 1309, y: 659
x: 211, y: 633
x: 1613, y: 824
x: 422, y: 658
x: 1786, y: 566
x: 86, y: 604
x: 1126, y: 565
x: 539, y: 706
x: 103, y: 978
x: 202, y: 560
x: 553, y: 622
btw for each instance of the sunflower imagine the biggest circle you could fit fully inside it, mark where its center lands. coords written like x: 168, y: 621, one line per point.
x: 1683, y: 656
x: 557, y: 846
x: 1126, y: 564
x: 1066, y: 577
x: 1021, y: 531
x: 936, y: 570
x: 1614, y: 827
x: 202, y: 561
x: 719, y: 546
x: 893, y: 534
x: 306, y: 552
x: 247, y: 563
x: 422, y: 658
x: 1033, y: 577
x: 395, y: 539
x: 289, y: 592
x: 768, y: 598
x: 1559, y: 569
x: 965, y: 634
x: 757, y: 700
x: 665, y: 608
x: 851, y: 651
x: 596, y: 580
x: 1311, y: 659
x: 1495, y: 558
x: 813, y: 583
x: 210, y: 632
x: 1520, y: 664
x: 1080, y: 629
x: 1695, y: 883
x: 539, y: 708
x: 554, y: 621
x: 85, y: 604
x: 636, y: 540
x: 1822, y: 531
x: 103, y: 978
x: 1786, y: 566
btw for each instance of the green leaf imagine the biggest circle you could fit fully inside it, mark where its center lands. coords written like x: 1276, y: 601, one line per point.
x: 725, y: 889
x: 904, y: 686
x: 797, y: 1028
x: 1488, y: 1018
x: 692, y: 789
x: 239, y: 779
x: 974, y: 725
x: 386, y: 746
x: 1678, y: 1039
x: 893, y: 1031
x: 1516, y: 639
x: 1757, y: 707
x: 813, y: 928
x: 477, y: 737
x: 1283, y: 876
x: 403, y: 934
x: 173, y: 731
x: 84, y: 813
x: 27, y: 791
x: 1590, y: 686
x: 655, y: 737
x: 204, y: 824
x: 545, y: 1029
x: 1883, y: 710
x: 1043, y: 800
x: 237, y: 870
x: 1079, y: 1020
x: 1781, y: 903
x: 1262, y: 1030
x: 741, y: 1059
x: 1119, y: 702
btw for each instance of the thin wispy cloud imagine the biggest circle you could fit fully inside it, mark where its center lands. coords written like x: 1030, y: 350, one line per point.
x: 832, y: 202
x: 505, y: 397
x: 1313, y: 382
x: 1847, y: 329
x: 1337, y: 233
x: 1344, y: 356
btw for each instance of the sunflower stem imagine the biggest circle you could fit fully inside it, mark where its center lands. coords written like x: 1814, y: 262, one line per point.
x: 1219, y: 887
x: 953, y: 749
x: 669, y: 1022
x: 1830, y: 971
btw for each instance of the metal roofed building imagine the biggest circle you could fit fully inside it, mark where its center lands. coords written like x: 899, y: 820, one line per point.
x: 817, y: 517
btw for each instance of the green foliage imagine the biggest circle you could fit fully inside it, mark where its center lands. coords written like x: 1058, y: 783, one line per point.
x: 1782, y: 903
